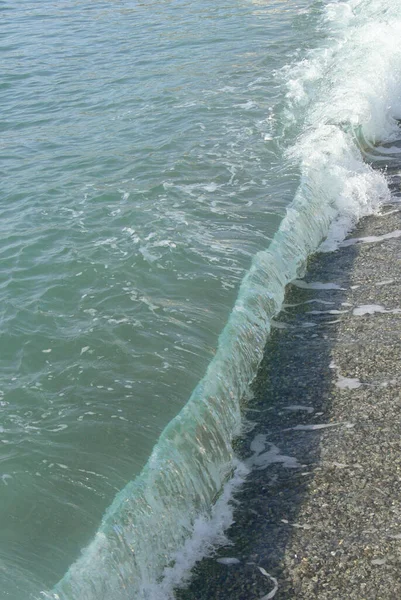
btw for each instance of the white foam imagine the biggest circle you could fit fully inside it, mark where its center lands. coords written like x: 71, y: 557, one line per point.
x: 347, y: 92
x: 58, y: 428
x: 317, y: 426
x: 371, y: 239
x: 296, y: 525
x: 348, y: 383
x: 296, y: 407
x: 342, y: 382
x: 326, y: 312
x: 262, y: 460
x: 316, y: 285
x: 258, y: 444
x: 319, y: 301
x: 311, y: 301
x: 208, y: 533
x: 371, y: 309
x: 228, y: 560
x: 273, y: 592
x: 384, y: 282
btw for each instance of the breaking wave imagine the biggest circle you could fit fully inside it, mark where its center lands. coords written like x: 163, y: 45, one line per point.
x: 342, y: 100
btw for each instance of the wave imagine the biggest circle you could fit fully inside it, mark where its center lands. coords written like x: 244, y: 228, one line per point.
x: 342, y: 100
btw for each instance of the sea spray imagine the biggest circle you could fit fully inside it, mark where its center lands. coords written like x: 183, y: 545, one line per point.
x: 341, y: 96
x: 207, y: 533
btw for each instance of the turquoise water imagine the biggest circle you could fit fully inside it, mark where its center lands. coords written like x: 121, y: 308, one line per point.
x: 149, y: 154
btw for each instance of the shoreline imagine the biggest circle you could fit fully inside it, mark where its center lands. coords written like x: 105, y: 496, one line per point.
x: 319, y: 516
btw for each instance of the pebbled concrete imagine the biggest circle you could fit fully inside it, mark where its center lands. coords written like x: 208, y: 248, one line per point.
x: 320, y: 513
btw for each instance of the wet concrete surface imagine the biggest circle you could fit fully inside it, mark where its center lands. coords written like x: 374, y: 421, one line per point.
x: 319, y: 515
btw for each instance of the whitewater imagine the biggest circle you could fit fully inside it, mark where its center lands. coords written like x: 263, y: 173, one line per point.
x: 221, y: 182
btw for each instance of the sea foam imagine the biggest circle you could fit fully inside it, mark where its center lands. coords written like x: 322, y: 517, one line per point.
x: 342, y: 101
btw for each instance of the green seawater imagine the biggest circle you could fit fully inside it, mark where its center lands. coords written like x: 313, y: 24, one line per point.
x: 141, y: 164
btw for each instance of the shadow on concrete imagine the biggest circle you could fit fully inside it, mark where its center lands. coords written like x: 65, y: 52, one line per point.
x: 292, y: 390
x: 288, y: 415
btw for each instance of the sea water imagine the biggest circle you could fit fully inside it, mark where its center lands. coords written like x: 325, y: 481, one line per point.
x: 166, y: 168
